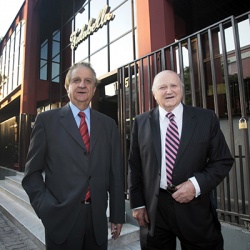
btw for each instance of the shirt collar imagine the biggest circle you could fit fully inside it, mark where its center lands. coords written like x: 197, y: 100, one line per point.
x: 177, y: 111
x: 76, y: 110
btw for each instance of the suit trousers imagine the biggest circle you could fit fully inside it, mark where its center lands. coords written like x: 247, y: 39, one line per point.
x: 167, y: 230
x: 81, y: 237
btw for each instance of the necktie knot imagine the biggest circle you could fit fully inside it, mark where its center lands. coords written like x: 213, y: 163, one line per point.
x: 170, y: 116
x: 81, y: 114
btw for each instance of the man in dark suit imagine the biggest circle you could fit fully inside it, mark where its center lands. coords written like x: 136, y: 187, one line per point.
x: 73, y: 221
x: 177, y: 203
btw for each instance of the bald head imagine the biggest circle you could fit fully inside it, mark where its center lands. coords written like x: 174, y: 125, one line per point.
x: 167, y: 89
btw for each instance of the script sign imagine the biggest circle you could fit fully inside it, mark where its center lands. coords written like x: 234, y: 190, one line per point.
x: 80, y: 35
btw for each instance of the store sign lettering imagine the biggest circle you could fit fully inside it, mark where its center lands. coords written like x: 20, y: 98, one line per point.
x: 80, y: 35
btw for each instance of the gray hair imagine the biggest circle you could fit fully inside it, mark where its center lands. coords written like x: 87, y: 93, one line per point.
x: 77, y: 65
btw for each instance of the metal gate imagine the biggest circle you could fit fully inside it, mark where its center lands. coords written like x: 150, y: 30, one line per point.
x: 214, y: 66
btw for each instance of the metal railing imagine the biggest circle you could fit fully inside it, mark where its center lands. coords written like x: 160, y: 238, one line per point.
x: 214, y: 66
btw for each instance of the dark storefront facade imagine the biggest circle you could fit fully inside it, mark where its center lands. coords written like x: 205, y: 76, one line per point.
x: 127, y: 43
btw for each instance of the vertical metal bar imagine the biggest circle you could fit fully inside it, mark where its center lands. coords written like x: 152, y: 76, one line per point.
x: 243, y: 199
x: 181, y: 66
x: 163, y: 60
x: 136, y: 90
x: 180, y: 55
x: 155, y: 60
x: 149, y: 82
x: 202, y: 75
x: 130, y: 86
x: 133, y: 29
x: 121, y: 120
x: 239, y: 66
x: 142, y: 102
x: 191, y: 72
x: 214, y: 82
x: 171, y: 58
x: 230, y: 121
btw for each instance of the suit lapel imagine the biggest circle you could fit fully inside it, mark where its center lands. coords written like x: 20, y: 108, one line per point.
x: 188, y: 127
x: 95, y: 125
x: 156, y: 134
x: 68, y: 122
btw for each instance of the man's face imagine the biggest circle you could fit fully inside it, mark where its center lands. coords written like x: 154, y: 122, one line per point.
x: 167, y: 90
x: 81, y: 87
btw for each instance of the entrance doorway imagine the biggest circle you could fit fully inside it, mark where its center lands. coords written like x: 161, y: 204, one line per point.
x: 106, y: 96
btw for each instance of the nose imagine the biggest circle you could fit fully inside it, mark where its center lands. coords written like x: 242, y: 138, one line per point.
x: 82, y: 84
x: 168, y: 90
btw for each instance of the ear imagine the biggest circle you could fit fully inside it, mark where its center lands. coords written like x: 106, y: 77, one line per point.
x: 66, y: 86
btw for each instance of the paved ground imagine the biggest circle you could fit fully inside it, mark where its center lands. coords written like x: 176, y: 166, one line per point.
x: 11, y: 238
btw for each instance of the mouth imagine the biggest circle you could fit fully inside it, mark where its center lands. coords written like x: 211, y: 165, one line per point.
x: 169, y: 97
x: 82, y: 92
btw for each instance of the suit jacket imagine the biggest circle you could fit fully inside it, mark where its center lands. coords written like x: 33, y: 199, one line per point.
x: 57, y: 149
x: 202, y: 153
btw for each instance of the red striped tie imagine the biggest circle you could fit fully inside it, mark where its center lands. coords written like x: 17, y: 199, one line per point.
x: 171, y: 146
x: 86, y: 139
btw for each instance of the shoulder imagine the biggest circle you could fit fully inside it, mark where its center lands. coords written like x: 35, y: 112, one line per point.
x: 198, y: 111
x: 148, y: 114
x: 50, y: 113
x: 98, y: 115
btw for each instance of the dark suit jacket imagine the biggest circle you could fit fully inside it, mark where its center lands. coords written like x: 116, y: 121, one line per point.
x: 56, y: 147
x: 202, y: 153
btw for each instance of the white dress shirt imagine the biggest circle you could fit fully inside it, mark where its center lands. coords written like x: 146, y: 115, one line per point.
x: 164, y: 121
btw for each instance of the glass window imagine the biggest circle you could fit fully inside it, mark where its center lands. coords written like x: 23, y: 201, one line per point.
x: 115, y: 3
x: 44, y: 60
x: 121, y: 52
x: 98, y: 39
x: 81, y: 51
x: 99, y: 61
x: 55, y: 70
x: 96, y: 7
x: 56, y: 43
x: 12, y: 43
x: 16, y: 59
x: 81, y: 19
x: 56, y: 36
x: 43, y: 73
x: 122, y: 22
x: 55, y: 48
x: 7, y: 60
x: 44, y: 50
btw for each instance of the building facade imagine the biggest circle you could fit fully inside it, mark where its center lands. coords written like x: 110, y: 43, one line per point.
x: 128, y: 42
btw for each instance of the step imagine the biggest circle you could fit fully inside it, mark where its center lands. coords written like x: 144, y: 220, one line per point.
x: 18, y: 195
x: 14, y: 204
x: 29, y: 223
x: 15, y: 180
x: 23, y: 219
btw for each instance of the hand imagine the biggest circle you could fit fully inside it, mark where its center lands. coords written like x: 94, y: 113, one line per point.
x: 185, y: 192
x: 115, y: 230
x: 141, y: 216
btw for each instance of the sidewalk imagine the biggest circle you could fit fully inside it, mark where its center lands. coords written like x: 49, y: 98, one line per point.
x: 11, y: 238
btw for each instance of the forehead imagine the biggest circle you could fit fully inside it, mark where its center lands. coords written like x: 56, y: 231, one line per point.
x: 167, y: 78
x: 82, y: 72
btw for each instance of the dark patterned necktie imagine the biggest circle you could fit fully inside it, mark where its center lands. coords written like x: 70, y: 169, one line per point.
x: 171, y: 146
x: 86, y: 139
